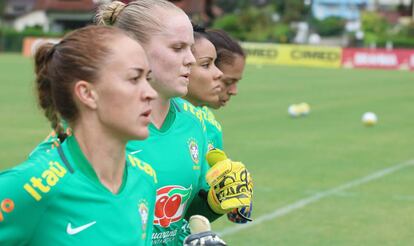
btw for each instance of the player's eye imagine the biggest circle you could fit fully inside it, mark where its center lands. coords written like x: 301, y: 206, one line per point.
x: 149, y: 77
x: 134, y: 79
x: 229, y: 82
x: 206, y: 65
x: 177, y: 48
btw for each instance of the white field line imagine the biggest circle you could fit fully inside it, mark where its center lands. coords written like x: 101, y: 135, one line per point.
x: 316, y: 197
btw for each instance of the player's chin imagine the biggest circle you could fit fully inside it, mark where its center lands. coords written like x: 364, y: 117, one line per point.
x: 180, y: 91
x: 215, y: 105
x: 210, y: 101
x: 141, y: 133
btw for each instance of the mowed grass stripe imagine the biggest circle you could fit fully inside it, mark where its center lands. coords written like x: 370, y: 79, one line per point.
x: 316, y: 197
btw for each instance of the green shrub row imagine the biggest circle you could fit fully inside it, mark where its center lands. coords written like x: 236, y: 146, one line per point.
x: 12, y: 40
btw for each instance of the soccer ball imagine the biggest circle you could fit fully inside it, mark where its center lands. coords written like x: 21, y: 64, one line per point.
x: 369, y: 119
x: 294, y: 110
x: 304, y: 108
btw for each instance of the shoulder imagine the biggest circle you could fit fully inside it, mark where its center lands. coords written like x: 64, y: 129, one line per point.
x: 27, y: 189
x: 147, y: 171
x: 50, y: 142
x: 210, y: 118
x: 36, y: 179
x: 188, y: 110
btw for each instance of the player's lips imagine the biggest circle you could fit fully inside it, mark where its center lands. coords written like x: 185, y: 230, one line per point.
x: 146, y: 115
x: 186, y: 76
x: 217, y: 89
x: 223, y: 102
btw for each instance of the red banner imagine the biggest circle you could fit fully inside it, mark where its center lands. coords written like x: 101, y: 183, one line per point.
x: 378, y: 58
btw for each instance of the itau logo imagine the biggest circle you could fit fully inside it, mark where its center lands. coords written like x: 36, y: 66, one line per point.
x: 170, y: 204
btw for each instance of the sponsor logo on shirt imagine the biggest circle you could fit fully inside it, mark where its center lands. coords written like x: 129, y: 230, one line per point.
x: 47, y: 180
x: 143, y: 212
x: 135, y: 162
x: 170, y: 204
x: 75, y: 230
x: 196, y: 112
x: 6, y: 206
x: 194, y: 153
x: 209, y: 117
x: 164, y: 237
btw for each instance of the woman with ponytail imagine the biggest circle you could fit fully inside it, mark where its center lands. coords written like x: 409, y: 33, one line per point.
x: 84, y: 193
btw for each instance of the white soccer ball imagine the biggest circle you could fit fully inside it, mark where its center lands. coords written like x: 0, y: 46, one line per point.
x: 369, y: 119
x: 304, y: 108
x: 294, y: 110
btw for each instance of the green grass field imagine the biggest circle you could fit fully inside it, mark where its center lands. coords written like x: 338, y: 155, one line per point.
x: 320, y: 180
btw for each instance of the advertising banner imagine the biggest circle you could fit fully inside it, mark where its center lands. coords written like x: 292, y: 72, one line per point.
x: 299, y: 55
x: 378, y: 58
x: 313, y: 56
x: 260, y: 53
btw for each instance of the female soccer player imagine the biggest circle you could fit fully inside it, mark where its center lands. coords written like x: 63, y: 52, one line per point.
x: 230, y: 60
x: 204, y: 76
x: 84, y: 193
x: 204, y: 81
x: 177, y: 142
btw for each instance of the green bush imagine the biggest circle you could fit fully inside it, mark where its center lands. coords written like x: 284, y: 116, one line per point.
x: 256, y: 25
x: 231, y: 24
x: 397, y: 42
x: 408, y: 31
x: 282, y: 33
x: 331, y: 26
x: 12, y: 40
x: 373, y: 22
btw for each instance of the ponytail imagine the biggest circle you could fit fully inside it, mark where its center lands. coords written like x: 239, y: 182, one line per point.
x: 44, y: 85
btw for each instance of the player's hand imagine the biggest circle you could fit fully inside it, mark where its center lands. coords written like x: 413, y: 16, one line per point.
x: 231, y: 186
x: 206, y: 238
x: 240, y: 215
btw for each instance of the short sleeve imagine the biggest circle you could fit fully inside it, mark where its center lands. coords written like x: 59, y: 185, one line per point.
x: 19, y: 209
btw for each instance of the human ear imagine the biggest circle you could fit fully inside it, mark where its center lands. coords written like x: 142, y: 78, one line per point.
x: 86, y: 94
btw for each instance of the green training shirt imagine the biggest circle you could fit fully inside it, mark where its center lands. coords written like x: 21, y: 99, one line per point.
x: 199, y: 204
x: 213, y: 128
x: 57, y: 199
x: 50, y: 142
x: 178, y: 151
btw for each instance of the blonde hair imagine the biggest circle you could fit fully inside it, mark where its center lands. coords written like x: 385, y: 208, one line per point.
x: 137, y: 17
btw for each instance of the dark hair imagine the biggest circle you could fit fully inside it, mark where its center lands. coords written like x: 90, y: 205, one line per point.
x: 78, y: 56
x: 199, y: 32
x: 227, y: 48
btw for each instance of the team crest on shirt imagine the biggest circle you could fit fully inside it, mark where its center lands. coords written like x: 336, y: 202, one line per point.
x: 143, y: 212
x: 193, y: 148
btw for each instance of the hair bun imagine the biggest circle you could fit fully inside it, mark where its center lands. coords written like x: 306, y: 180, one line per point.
x: 117, y: 8
x: 197, y: 28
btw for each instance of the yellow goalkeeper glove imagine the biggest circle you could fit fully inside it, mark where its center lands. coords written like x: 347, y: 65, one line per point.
x: 230, y: 183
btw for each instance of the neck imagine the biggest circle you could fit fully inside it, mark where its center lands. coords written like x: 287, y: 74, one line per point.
x: 192, y: 101
x: 104, y: 152
x: 160, y: 107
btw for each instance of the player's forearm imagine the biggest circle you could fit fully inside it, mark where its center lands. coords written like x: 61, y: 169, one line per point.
x: 200, y: 206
